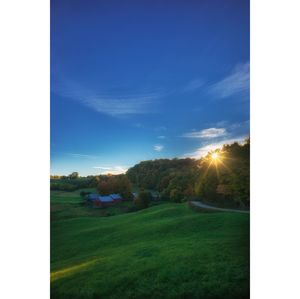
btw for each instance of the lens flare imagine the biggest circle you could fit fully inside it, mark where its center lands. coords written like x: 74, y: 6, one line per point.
x: 214, y: 156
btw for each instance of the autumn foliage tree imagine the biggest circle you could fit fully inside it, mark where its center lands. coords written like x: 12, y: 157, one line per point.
x: 115, y: 184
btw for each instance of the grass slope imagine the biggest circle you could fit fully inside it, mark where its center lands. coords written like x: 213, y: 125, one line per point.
x: 166, y: 251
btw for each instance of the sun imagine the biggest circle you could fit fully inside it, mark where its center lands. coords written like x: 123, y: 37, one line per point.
x: 214, y: 156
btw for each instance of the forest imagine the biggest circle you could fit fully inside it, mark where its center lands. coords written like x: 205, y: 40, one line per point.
x: 221, y: 177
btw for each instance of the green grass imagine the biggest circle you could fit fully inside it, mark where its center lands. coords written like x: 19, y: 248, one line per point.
x: 166, y: 251
x: 62, y: 197
x: 66, y: 205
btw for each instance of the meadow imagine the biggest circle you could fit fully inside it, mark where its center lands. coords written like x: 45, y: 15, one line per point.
x: 165, y: 251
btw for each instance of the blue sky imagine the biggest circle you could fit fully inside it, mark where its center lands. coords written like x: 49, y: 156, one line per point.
x: 140, y: 80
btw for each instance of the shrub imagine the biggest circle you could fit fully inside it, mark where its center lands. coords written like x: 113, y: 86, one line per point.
x: 143, y: 199
x: 176, y: 195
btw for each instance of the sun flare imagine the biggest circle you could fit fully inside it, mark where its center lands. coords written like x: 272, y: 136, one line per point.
x: 214, y: 156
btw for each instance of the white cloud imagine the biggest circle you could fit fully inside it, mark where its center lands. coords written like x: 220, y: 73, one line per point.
x: 158, y: 147
x: 194, y: 85
x: 102, y: 167
x: 111, y: 169
x: 161, y: 128
x: 82, y: 156
x: 237, y: 82
x: 161, y: 137
x: 111, y: 102
x: 206, y: 133
x: 114, y: 106
x: 203, y: 151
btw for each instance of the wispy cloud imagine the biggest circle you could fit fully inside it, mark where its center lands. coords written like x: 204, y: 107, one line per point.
x: 82, y: 156
x: 161, y: 128
x: 138, y: 125
x: 237, y: 82
x: 205, y: 149
x: 111, y: 169
x: 194, y: 85
x: 102, y: 167
x: 114, y: 102
x: 120, y: 105
x: 161, y: 137
x: 206, y: 133
x: 158, y: 147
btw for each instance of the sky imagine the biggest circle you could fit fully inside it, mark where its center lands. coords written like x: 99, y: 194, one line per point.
x: 143, y: 80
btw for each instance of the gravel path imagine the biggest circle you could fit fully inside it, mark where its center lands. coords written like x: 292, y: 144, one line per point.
x: 205, y: 206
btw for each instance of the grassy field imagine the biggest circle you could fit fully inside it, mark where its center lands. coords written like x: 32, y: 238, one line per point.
x: 65, y: 205
x: 166, y: 251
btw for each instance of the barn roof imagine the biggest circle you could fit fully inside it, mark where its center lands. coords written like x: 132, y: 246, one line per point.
x: 93, y: 196
x: 105, y: 198
x: 115, y: 196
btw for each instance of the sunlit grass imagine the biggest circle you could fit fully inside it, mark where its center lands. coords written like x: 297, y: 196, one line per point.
x: 71, y: 270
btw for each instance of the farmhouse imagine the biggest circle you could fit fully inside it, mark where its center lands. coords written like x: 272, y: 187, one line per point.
x: 104, y: 201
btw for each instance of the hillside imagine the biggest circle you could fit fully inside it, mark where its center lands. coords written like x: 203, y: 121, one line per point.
x: 167, y: 251
x: 222, y: 177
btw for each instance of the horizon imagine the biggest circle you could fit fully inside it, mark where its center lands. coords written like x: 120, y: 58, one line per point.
x: 127, y: 87
x: 125, y: 170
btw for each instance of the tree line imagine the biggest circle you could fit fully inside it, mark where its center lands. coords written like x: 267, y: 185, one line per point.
x: 72, y: 183
x: 225, y: 180
x: 173, y: 179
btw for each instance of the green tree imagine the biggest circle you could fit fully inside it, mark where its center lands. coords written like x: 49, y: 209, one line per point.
x: 226, y: 181
x: 143, y: 199
x: 165, y: 194
x: 176, y: 195
x: 74, y: 175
